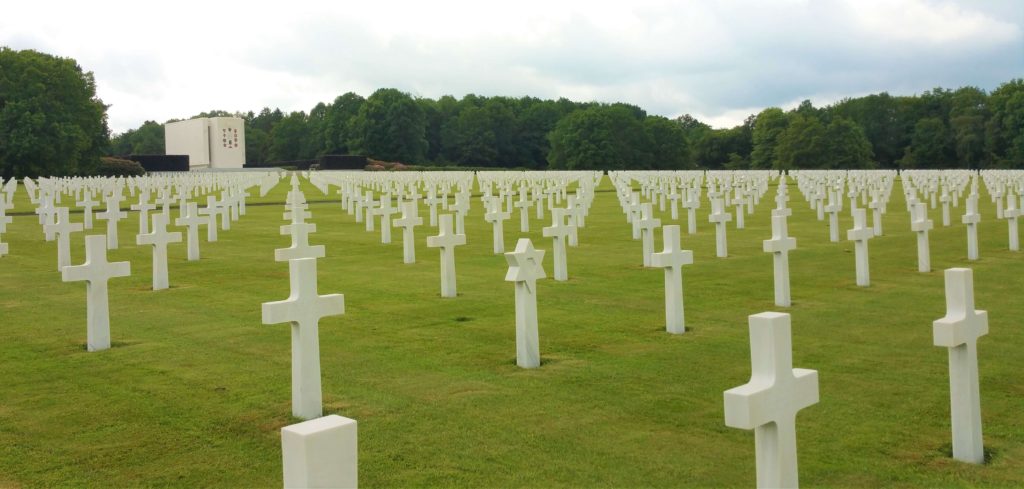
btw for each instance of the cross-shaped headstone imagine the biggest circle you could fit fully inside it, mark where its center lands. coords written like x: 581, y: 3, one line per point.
x: 692, y: 203
x: 720, y: 218
x: 159, y: 238
x: 860, y: 234
x: 497, y: 218
x: 672, y: 258
x: 920, y: 225
x: 833, y: 209
x: 558, y: 231
x: 112, y: 215
x: 647, y: 223
x: 780, y: 245
x: 96, y: 271
x: 768, y: 404
x: 1011, y: 214
x: 524, y: 268
x: 408, y: 222
x: 304, y: 308
x: 300, y: 247
x: 971, y: 218
x: 446, y: 240
x: 959, y: 331
x: 143, y: 207
x: 370, y: 205
x: 385, y: 210
x: 461, y: 208
x: 63, y: 229
x: 211, y: 211
x: 87, y: 203
x: 523, y: 204
x: 192, y: 220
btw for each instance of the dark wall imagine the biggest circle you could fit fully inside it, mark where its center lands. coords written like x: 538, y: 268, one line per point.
x: 342, y: 162
x: 161, y: 162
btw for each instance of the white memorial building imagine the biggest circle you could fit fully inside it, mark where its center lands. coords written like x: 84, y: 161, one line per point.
x: 214, y: 142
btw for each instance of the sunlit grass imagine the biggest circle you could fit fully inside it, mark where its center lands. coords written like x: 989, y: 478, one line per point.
x: 195, y: 390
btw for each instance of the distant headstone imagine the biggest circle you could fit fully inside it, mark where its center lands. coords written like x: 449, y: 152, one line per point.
x: 672, y: 258
x: 779, y: 246
x: 860, y: 234
x: 447, y: 240
x: 159, y: 238
x: 920, y: 225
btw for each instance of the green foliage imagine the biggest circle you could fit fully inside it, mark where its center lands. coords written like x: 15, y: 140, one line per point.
x: 768, y: 127
x: 605, y: 137
x: 390, y: 126
x: 931, y: 146
x: 51, y: 122
x: 846, y: 146
x: 337, y: 129
x: 147, y: 139
x: 287, y: 138
x: 118, y: 167
x: 469, y: 139
x: 668, y: 145
x: 1004, y: 131
x: 802, y: 144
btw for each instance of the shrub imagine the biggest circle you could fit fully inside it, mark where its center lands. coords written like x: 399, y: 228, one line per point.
x: 117, y: 167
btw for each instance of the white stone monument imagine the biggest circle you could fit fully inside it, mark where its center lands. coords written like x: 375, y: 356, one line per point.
x: 920, y: 225
x: 192, y: 221
x: 971, y: 218
x: 860, y: 234
x: 159, y: 238
x: 768, y: 404
x: 672, y: 258
x: 303, y: 309
x: 779, y: 246
x: 558, y: 231
x: 408, y: 222
x: 647, y: 224
x: 62, y: 229
x: 525, y: 266
x: 446, y: 240
x: 720, y: 218
x: 96, y: 271
x: 321, y: 453
x: 959, y: 331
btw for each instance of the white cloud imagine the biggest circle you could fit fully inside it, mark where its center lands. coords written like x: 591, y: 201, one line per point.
x: 720, y: 61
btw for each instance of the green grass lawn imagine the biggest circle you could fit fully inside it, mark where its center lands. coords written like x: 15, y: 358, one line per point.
x: 195, y: 390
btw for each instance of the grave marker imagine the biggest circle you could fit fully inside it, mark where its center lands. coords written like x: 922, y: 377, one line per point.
x: 96, y: 271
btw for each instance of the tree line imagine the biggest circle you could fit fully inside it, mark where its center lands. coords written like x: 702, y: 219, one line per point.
x: 940, y: 128
x: 52, y: 123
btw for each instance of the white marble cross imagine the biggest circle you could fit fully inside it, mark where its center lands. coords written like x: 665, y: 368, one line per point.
x: 768, y: 404
x: 408, y: 222
x: 920, y: 225
x: 211, y: 211
x: 558, y: 231
x: 300, y: 247
x: 63, y: 229
x: 971, y: 218
x: 945, y: 207
x: 1011, y: 214
x: 525, y: 266
x: 860, y: 234
x: 112, y: 215
x: 87, y: 203
x: 446, y: 240
x: 739, y: 203
x: 304, y: 308
x: 720, y: 218
x: 432, y: 200
x: 833, y: 209
x: 192, y: 220
x: 159, y: 238
x: 647, y: 224
x: 692, y: 203
x: 877, y: 207
x: 523, y: 204
x: 672, y: 258
x: 959, y: 331
x: 461, y: 208
x: 780, y: 245
x: 497, y: 218
x: 385, y: 211
x: 96, y: 271
x: 143, y: 207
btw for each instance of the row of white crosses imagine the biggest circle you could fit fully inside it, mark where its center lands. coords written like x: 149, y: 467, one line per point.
x: 322, y: 451
x: 769, y: 403
x: 96, y: 271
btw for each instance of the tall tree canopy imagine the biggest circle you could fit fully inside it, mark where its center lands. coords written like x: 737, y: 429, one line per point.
x: 51, y: 122
x: 391, y: 126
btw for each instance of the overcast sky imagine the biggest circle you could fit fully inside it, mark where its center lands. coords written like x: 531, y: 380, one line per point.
x: 717, y: 60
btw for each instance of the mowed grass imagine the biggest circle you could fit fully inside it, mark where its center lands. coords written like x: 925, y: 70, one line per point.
x: 195, y: 390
